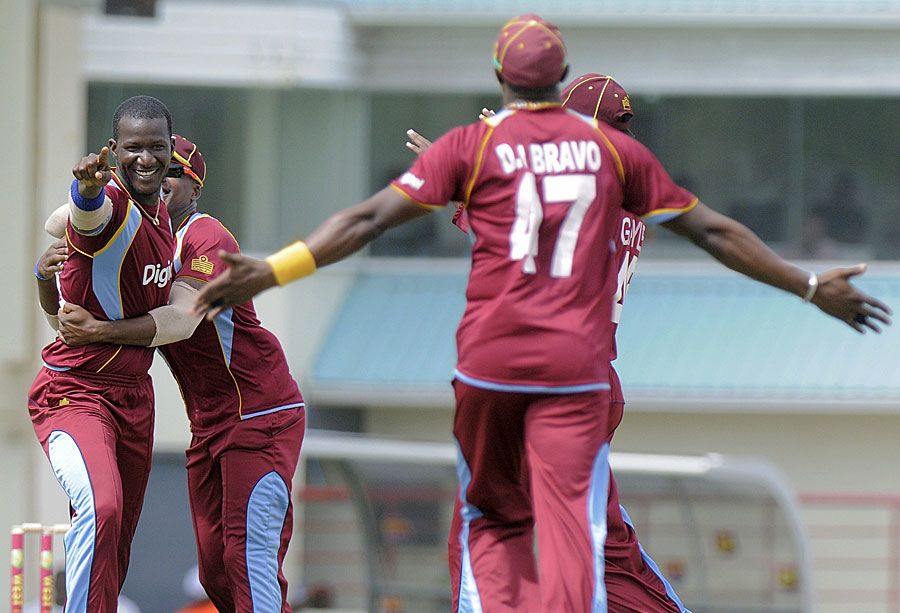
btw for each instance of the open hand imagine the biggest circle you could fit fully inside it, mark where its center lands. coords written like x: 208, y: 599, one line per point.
x: 244, y: 278
x: 53, y: 259
x: 417, y: 143
x: 840, y: 299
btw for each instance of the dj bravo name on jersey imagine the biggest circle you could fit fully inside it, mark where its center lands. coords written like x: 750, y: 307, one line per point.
x: 547, y: 158
x: 157, y: 274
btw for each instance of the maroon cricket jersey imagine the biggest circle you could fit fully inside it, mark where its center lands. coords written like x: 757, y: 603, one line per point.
x: 545, y: 189
x: 123, y: 271
x: 231, y: 368
x: 629, y: 241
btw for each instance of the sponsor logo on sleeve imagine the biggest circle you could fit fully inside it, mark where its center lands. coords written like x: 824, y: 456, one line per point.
x: 412, y: 180
x: 202, y: 265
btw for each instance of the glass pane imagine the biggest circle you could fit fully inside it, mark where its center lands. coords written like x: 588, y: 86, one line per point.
x: 211, y: 117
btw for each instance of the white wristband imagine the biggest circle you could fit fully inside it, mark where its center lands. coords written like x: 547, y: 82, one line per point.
x: 53, y: 320
x: 811, y: 287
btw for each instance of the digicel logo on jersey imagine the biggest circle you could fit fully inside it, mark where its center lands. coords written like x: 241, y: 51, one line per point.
x: 157, y: 274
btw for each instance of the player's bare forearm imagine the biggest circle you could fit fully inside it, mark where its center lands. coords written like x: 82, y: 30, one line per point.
x: 341, y: 235
x: 78, y: 327
x: 48, y: 295
x: 166, y: 324
x: 49, y: 264
x: 738, y: 248
x: 135, y: 331
x: 350, y: 230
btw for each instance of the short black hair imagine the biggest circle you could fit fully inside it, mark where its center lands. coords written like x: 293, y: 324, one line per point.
x: 547, y: 93
x: 141, y: 107
x: 535, y: 94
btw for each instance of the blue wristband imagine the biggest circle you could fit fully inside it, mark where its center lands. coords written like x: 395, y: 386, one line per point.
x: 86, y: 204
x: 38, y: 275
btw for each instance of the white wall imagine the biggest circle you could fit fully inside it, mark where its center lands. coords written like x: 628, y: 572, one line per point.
x: 245, y: 44
x: 42, y: 122
x: 225, y: 43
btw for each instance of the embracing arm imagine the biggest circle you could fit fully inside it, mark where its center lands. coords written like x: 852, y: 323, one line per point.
x: 738, y: 248
x: 171, y: 323
x: 48, y: 265
x: 48, y: 295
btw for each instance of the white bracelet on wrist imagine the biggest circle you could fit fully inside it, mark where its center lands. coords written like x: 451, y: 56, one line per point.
x: 811, y: 286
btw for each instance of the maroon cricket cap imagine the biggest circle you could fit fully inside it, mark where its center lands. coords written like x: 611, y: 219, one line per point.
x: 600, y: 97
x: 530, y: 52
x: 189, y: 157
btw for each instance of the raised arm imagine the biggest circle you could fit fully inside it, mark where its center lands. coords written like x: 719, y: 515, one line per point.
x: 171, y: 323
x: 738, y: 248
x: 339, y: 236
x: 89, y: 208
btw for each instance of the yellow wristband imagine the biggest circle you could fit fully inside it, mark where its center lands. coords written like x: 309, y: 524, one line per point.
x: 292, y: 263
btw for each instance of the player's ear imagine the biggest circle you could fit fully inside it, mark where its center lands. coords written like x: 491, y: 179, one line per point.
x: 111, y: 143
x: 196, y: 191
x: 499, y: 78
x: 564, y: 74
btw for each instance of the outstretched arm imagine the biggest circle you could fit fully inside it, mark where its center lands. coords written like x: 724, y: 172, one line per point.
x: 348, y: 231
x: 738, y: 248
x: 167, y: 324
x: 341, y: 235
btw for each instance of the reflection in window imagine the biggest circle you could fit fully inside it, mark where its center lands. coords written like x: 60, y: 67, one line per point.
x: 786, y: 168
x: 809, y: 182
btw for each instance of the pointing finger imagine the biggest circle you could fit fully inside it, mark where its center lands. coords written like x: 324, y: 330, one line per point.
x: 103, y: 159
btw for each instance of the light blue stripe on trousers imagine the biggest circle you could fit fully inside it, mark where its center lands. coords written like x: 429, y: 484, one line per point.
x: 469, y: 600
x: 72, y: 473
x: 653, y: 566
x: 266, y: 511
x: 597, y: 498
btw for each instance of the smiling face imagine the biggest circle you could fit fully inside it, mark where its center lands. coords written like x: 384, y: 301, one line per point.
x: 143, y: 149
